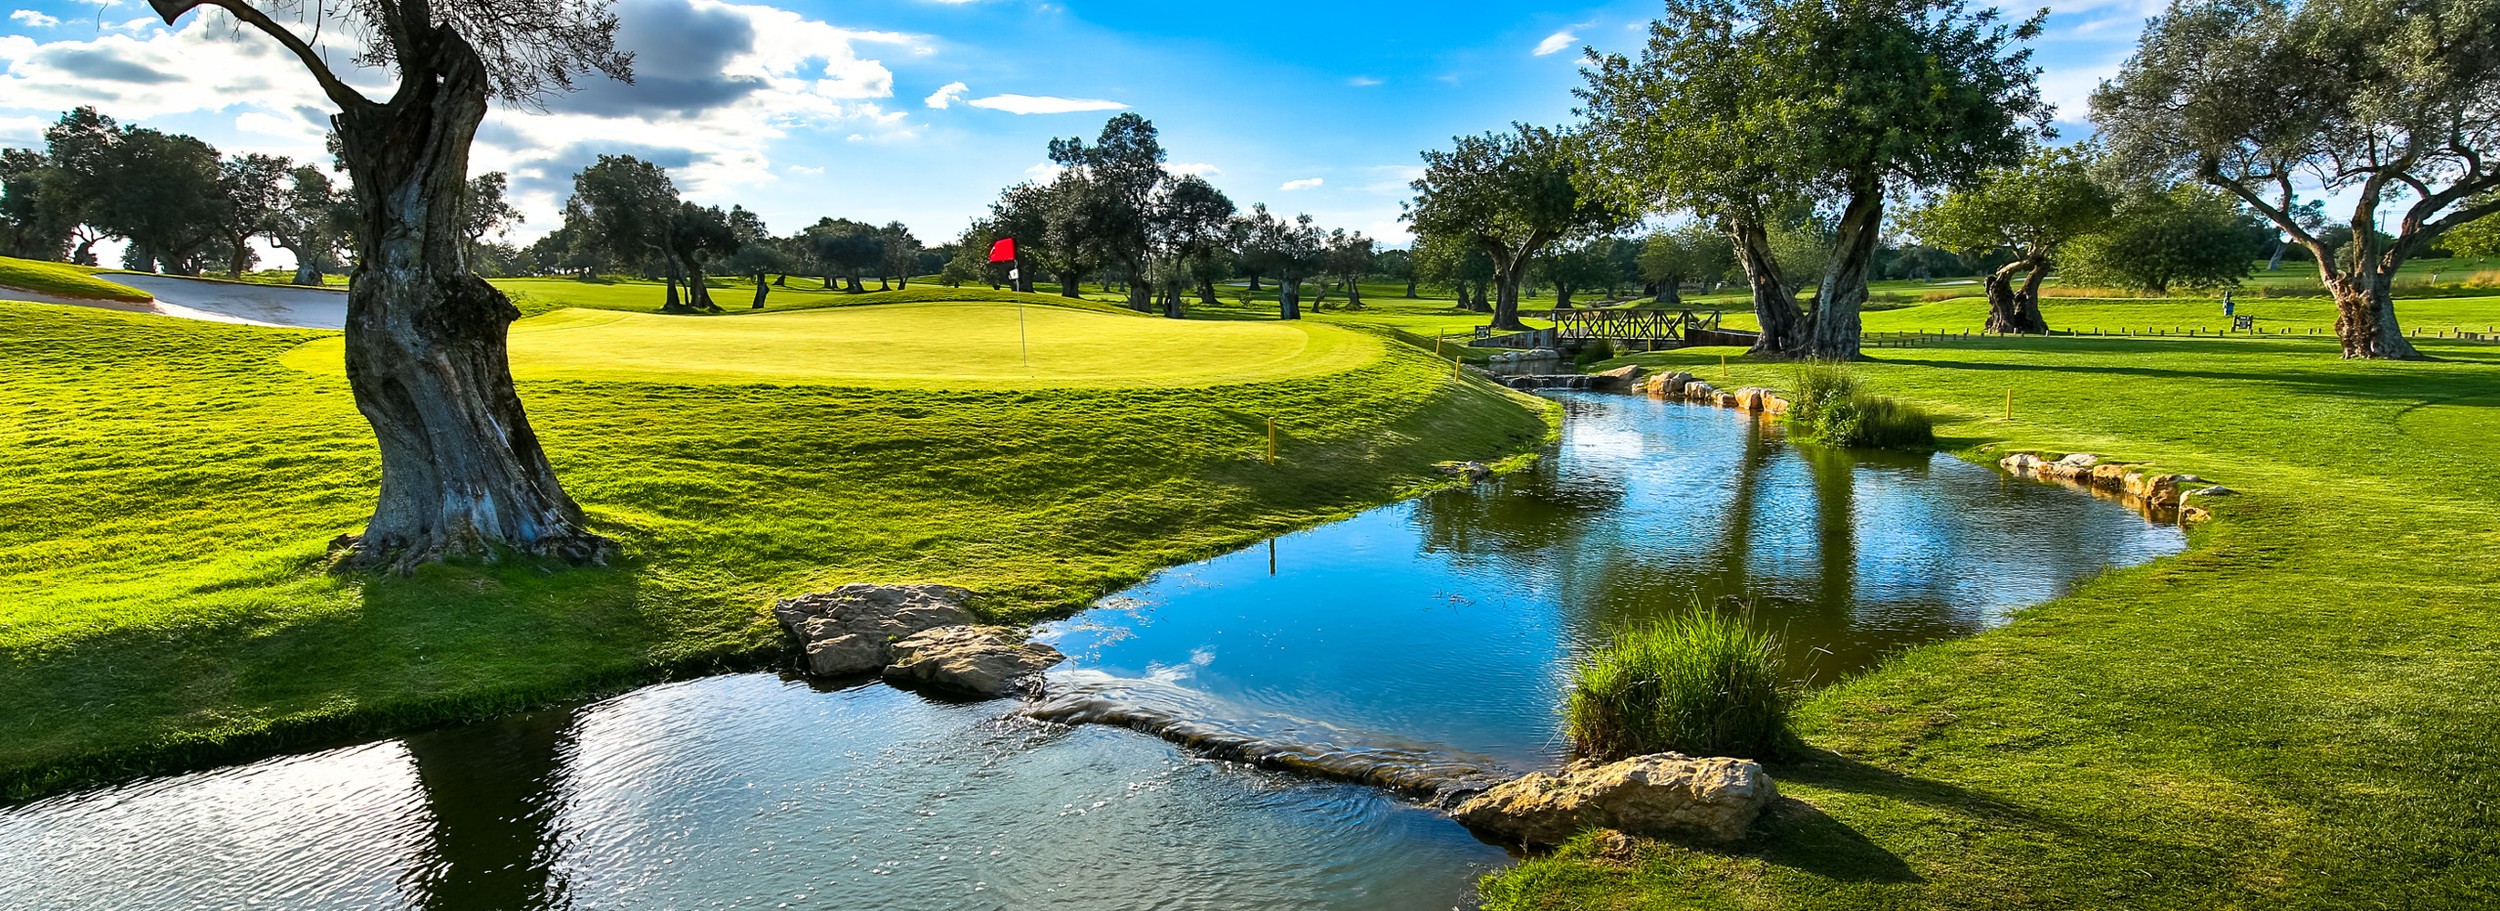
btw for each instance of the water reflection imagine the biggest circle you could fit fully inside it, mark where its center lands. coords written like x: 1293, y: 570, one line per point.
x: 1449, y: 622
x: 1455, y: 619
x: 491, y: 792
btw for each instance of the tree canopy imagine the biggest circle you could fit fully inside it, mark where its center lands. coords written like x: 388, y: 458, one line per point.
x: 2031, y: 212
x: 1512, y: 195
x: 2390, y: 101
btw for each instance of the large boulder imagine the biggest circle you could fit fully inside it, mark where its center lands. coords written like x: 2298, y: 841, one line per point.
x: 852, y: 629
x: 1618, y: 378
x: 972, y: 660
x: 1663, y: 794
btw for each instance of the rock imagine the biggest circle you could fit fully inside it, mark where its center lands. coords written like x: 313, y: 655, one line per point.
x: 1618, y: 378
x: 2214, y: 491
x: 2021, y: 463
x: 851, y: 630
x: 1774, y: 405
x: 1666, y: 794
x: 974, y: 660
x: 1750, y: 398
x: 2113, y: 477
x: 1669, y: 384
x: 1699, y: 391
x: 1726, y: 400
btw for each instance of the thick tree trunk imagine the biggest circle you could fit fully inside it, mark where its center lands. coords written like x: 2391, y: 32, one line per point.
x: 1562, y: 297
x: 462, y: 472
x: 242, y: 248
x: 1353, y: 296
x: 1506, y: 301
x: 1288, y: 299
x: 1254, y: 283
x: 1774, y: 300
x: 1206, y: 291
x: 1410, y: 289
x: 2012, y: 312
x: 2027, y: 300
x: 2365, y: 317
x: 1833, y: 335
x: 2275, y: 263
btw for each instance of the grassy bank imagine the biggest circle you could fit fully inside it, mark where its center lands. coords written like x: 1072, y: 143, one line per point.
x: 2297, y: 713
x: 173, y: 486
x: 64, y: 280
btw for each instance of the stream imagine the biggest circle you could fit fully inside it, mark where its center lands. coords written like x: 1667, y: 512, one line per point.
x: 1444, y: 626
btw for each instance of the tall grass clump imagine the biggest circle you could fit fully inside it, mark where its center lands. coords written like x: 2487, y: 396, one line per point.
x: 1831, y: 407
x: 1702, y: 684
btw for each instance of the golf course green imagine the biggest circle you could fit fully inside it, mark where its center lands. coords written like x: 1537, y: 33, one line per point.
x: 915, y: 345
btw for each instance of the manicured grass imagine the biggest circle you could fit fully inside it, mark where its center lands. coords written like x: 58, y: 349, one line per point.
x: 922, y: 345
x: 736, y: 295
x: 64, y: 280
x: 2305, y: 317
x: 173, y: 486
x: 2298, y: 712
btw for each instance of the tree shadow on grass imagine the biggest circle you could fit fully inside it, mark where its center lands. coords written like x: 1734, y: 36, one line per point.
x: 1797, y: 835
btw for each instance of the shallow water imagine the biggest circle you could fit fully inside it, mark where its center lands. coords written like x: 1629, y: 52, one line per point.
x: 1444, y: 623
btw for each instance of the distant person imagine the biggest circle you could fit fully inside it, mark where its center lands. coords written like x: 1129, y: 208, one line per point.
x: 2226, y: 303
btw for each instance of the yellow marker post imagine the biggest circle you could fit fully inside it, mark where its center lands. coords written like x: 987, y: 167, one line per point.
x: 1458, y: 366
x: 1722, y: 365
x: 2009, y: 404
x: 1271, y: 441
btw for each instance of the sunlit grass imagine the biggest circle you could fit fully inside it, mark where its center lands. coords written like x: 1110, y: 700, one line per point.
x: 173, y: 487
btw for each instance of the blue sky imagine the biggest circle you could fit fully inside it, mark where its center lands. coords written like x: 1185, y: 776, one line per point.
x: 922, y: 110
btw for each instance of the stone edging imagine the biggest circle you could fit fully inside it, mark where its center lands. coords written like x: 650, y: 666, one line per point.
x: 1680, y: 385
x: 2157, y: 494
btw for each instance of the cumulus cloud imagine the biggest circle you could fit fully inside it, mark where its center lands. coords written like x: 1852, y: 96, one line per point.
x: 1555, y: 43
x: 1045, y: 172
x: 1307, y: 183
x: 1199, y: 168
x: 720, y: 81
x: 33, y: 19
x: 946, y: 95
x: 1044, y: 104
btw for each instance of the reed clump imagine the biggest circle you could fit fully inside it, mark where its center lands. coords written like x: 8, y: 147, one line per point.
x: 1833, y: 408
x: 1703, y: 684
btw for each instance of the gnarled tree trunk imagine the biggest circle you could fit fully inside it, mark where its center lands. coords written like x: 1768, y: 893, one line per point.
x: 2011, y: 311
x: 462, y: 472
x: 2365, y: 317
x: 1774, y: 300
x: 1833, y: 335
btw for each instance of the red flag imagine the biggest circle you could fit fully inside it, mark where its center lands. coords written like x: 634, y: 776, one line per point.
x: 1003, y: 251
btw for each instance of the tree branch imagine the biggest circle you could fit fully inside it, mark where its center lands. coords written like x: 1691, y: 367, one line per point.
x: 346, y: 97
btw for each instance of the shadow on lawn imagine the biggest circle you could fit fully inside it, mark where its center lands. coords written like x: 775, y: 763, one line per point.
x: 1798, y: 835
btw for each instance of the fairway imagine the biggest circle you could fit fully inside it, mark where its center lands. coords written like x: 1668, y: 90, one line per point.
x: 924, y: 345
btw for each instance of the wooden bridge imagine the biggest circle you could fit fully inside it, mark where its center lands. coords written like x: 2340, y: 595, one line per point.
x: 1647, y: 330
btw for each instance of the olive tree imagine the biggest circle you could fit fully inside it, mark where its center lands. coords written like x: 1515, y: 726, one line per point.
x: 1739, y: 108
x: 462, y: 470
x: 2389, y: 102
x: 2032, y: 212
x: 1512, y: 195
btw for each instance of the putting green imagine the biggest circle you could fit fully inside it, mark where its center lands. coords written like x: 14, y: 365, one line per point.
x: 913, y: 346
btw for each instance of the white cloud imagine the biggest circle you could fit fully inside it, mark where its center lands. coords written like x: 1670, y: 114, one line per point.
x: 1199, y: 168
x: 947, y: 95
x: 804, y: 170
x: 34, y: 19
x: 1306, y: 183
x: 1045, y: 172
x: 1555, y: 43
x: 1044, y: 104
x: 1363, y: 82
